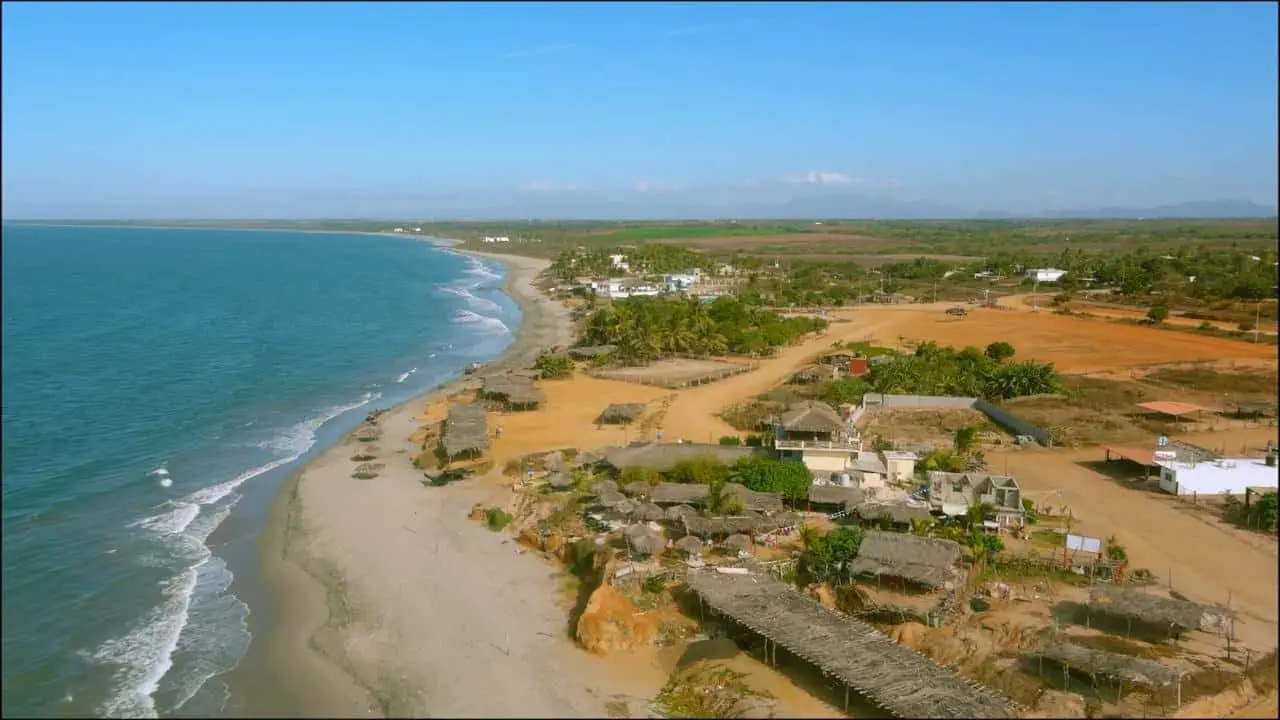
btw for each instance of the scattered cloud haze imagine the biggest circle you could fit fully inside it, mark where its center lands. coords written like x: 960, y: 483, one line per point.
x: 174, y: 110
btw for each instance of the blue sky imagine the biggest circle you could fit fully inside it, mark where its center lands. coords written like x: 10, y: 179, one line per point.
x: 331, y: 109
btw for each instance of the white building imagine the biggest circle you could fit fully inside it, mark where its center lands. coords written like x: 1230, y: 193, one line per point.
x: 1214, y: 477
x: 497, y: 239
x: 620, y: 262
x: 680, y: 281
x: 1046, y: 275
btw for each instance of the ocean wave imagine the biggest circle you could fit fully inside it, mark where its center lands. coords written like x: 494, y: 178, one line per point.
x: 405, y: 375
x: 474, y: 301
x: 489, y: 324
x: 145, y: 655
x: 477, y: 267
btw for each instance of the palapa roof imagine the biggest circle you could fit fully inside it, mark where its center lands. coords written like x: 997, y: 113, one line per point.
x: 585, y: 458
x: 899, y: 680
x: 465, y: 429
x: 923, y: 560
x: 675, y: 512
x: 368, y: 431
x: 897, y: 512
x: 707, y: 527
x: 512, y: 390
x: 609, y: 498
x: 664, y: 456
x: 365, y: 470
x: 368, y: 452
x: 639, y: 487
x: 648, y: 544
x: 737, y: 542
x: 553, y: 461
x: 603, y: 485
x: 650, y: 512
x: 813, y: 417
x: 689, y: 544
x: 835, y: 495
x: 1115, y: 665
x: 1145, y: 607
x: 560, y: 480
x: 625, y: 506
x: 696, y: 494
x: 622, y: 412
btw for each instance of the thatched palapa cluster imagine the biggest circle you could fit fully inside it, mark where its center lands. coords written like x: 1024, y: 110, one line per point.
x: 899, y: 680
x: 1132, y: 669
x: 1125, y: 602
x: 514, y: 392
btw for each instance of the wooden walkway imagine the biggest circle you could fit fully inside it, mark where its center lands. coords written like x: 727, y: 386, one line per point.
x: 897, y: 679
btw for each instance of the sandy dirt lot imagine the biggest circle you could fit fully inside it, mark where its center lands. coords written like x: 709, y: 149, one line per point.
x: 675, y: 371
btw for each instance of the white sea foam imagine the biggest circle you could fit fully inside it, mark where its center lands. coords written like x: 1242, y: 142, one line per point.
x: 479, y: 303
x: 405, y: 375
x: 488, y: 324
x: 145, y: 655
x: 477, y: 267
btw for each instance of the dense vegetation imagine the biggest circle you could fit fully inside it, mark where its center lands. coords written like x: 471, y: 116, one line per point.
x: 645, y: 329
x: 970, y: 372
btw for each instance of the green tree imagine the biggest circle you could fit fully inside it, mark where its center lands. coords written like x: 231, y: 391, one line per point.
x: 790, y: 478
x: 720, y: 501
x: 999, y: 351
x: 830, y: 557
x: 640, y: 474
x: 847, y: 390
x: 1158, y: 314
x: 964, y: 438
x: 553, y: 366
x: 702, y: 470
x: 1115, y: 551
x: 1263, y: 512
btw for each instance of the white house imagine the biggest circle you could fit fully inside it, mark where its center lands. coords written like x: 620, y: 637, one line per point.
x: 619, y: 261
x: 497, y: 239
x: 680, y: 281
x: 1214, y: 477
x: 1046, y: 275
x: 726, y: 270
x: 984, y: 275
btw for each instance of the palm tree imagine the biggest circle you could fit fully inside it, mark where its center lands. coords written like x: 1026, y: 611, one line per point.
x: 809, y: 536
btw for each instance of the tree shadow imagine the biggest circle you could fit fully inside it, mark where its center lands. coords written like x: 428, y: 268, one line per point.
x: 1125, y: 473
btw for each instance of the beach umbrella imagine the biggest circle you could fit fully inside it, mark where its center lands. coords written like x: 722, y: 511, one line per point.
x: 368, y: 452
x: 610, y: 498
x: 365, y: 471
x: 585, y: 458
x: 690, y: 545
x: 626, y: 507
x: 368, y: 432
x: 738, y: 543
x: 647, y: 544
x: 676, y: 512
x: 560, y: 480
x: 605, y: 486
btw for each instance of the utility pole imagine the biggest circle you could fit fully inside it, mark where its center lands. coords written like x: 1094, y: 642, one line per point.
x: 1257, y: 317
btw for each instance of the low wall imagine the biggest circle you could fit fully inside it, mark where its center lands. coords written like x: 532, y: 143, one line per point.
x: 998, y: 415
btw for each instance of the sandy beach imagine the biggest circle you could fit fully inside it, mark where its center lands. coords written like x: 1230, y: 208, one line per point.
x: 391, y: 602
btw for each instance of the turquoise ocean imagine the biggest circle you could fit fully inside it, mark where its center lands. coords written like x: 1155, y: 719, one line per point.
x: 158, y: 387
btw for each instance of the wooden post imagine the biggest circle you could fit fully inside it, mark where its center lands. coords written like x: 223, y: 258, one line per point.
x: 846, y: 699
x: 1179, y: 691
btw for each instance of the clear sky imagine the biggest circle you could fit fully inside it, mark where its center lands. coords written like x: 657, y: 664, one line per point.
x: 369, y: 109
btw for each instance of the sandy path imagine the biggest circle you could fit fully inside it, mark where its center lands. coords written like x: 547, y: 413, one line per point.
x: 1206, y: 560
x: 425, y: 611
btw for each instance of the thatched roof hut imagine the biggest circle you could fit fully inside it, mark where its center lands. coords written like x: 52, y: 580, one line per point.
x: 604, y: 485
x: 1112, y: 665
x: 621, y: 413
x: 649, y: 513
x: 714, y: 527
x: 664, y: 456
x: 676, y: 512
x: 738, y: 543
x: 903, y: 682
x: 587, y: 352
x: 1132, y: 603
x: 896, y: 513
x: 814, y: 374
x: 465, y: 430
x: 366, y: 453
x: 610, y: 498
x: 514, y: 392
x: 637, y: 488
x: 365, y: 471
x: 931, y: 562
x: 584, y: 459
x: 648, y: 543
x: 695, y: 494
x: 626, y: 507
x: 689, y: 545
x: 553, y: 461
x: 812, y: 416
x: 843, y: 497
x: 560, y: 480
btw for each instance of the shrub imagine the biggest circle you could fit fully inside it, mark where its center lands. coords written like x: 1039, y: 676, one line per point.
x: 640, y: 474
x: 1158, y: 314
x: 755, y: 441
x: 999, y: 351
x: 701, y: 470
x: 790, y: 478
x: 731, y: 440
x: 847, y: 390
x: 497, y: 518
x: 554, y: 366
x: 1246, y: 326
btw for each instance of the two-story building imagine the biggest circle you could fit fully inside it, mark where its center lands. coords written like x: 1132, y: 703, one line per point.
x: 826, y: 442
x: 952, y: 494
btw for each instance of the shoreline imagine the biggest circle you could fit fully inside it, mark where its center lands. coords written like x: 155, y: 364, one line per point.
x: 311, y: 662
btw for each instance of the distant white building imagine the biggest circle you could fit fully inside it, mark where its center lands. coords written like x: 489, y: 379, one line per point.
x: 984, y: 275
x: 680, y: 281
x: 1046, y: 275
x: 618, y: 290
x: 1214, y: 477
x: 497, y: 239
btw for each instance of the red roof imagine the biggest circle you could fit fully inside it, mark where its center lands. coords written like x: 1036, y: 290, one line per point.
x: 1169, y: 407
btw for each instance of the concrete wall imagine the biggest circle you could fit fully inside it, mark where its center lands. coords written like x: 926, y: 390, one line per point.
x: 998, y: 415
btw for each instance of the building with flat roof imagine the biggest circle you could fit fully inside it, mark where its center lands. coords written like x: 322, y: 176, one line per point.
x: 1218, y: 476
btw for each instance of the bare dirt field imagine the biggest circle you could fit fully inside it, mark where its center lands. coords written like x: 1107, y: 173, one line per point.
x: 675, y: 372
x: 1074, y: 345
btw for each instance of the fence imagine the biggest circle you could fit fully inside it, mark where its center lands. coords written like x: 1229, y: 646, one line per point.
x: 998, y: 415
